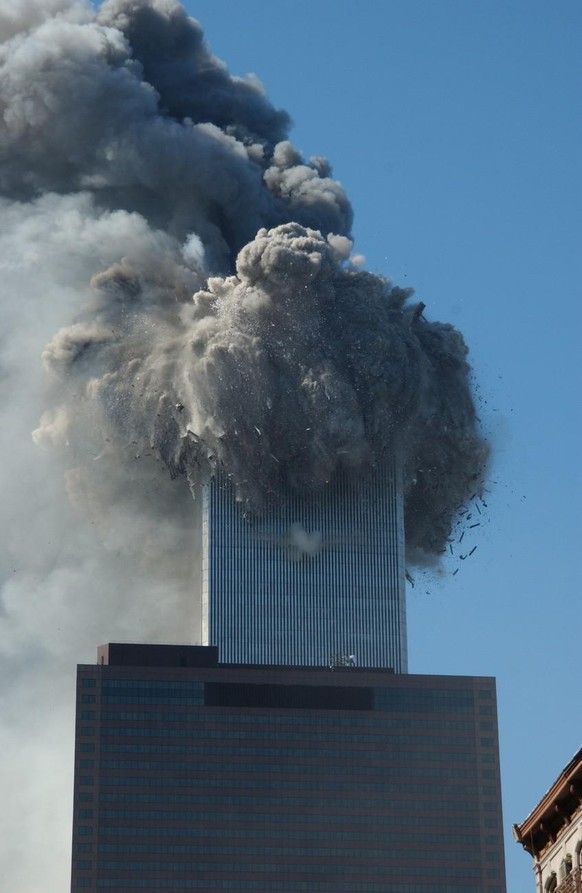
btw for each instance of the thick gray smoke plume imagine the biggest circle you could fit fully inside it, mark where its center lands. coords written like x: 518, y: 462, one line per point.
x: 186, y: 275
x: 292, y: 366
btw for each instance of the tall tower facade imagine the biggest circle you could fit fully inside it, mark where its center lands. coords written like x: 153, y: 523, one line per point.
x: 315, y: 579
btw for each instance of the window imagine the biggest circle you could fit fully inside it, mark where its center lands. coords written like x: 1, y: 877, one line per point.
x: 551, y: 883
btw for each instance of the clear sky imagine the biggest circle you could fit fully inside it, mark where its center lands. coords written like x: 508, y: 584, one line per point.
x: 455, y: 127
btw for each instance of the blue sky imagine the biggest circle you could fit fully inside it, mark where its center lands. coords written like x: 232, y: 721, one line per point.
x: 455, y: 127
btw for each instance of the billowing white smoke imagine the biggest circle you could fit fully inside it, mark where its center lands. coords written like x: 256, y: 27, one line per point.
x: 136, y: 173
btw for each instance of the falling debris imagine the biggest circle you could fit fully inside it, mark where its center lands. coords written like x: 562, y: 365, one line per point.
x: 225, y: 306
x: 417, y: 312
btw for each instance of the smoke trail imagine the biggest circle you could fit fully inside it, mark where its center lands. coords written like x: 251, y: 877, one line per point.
x: 292, y: 366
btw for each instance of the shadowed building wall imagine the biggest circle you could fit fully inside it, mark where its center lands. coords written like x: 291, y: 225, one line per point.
x: 195, y: 775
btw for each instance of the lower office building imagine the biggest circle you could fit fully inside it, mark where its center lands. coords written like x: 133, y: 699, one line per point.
x: 196, y: 775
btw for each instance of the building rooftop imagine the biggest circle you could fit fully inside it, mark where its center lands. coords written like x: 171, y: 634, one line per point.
x: 554, y: 811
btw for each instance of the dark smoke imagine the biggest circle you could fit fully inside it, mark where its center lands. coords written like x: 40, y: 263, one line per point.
x: 289, y: 362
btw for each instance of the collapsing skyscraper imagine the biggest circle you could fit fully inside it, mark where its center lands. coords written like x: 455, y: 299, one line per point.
x: 234, y: 340
x: 313, y: 580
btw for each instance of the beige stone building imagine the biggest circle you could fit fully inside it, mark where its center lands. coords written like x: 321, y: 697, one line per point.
x: 552, y: 833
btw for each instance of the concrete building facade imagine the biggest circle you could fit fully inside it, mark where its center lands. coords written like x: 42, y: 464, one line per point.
x: 552, y: 833
x: 196, y: 775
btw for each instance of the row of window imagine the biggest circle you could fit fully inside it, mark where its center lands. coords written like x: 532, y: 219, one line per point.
x: 121, y: 885
x: 217, y: 782
x: 385, y: 699
x: 276, y: 799
x: 316, y: 788
x: 470, y: 822
x: 256, y: 784
x: 366, y: 754
x: 425, y: 700
x: 402, y: 838
x: 240, y: 766
x: 285, y: 735
x: 158, y: 698
x: 152, y: 684
x: 411, y: 840
x: 215, y: 716
x: 395, y: 771
x: 278, y: 868
x: 215, y: 757
x: 364, y: 852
